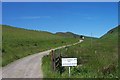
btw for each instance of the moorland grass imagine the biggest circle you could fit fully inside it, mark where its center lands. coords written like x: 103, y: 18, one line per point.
x: 96, y: 59
x: 18, y: 42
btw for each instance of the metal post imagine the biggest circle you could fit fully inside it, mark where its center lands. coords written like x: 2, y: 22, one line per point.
x: 69, y: 71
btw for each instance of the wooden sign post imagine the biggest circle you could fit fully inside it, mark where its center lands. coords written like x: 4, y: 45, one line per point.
x: 69, y: 62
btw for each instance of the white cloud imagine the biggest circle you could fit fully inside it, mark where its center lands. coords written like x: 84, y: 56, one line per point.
x: 34, y: 17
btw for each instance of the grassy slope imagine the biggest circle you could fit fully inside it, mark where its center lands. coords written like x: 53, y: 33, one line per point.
x: 93, y: 58
x: 18, y: 43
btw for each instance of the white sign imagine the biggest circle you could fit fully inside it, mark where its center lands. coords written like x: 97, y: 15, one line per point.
x: 69, y: 61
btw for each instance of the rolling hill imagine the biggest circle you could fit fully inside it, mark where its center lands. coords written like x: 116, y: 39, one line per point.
x: 18, y: 42
x: 68, y: 34
x: 112, y: 33
x: 71, y: 35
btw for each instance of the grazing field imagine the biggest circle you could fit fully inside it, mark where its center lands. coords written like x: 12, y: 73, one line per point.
x: 97, y: 58
x: 18, y: 42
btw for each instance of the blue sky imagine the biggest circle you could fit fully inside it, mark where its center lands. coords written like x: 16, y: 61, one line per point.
x: 80, y: 18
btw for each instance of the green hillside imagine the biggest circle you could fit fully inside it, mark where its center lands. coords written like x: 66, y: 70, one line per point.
x: 68, y: 34
x: 18, y: 42
x: 97, y: 58
x: 111, y: 34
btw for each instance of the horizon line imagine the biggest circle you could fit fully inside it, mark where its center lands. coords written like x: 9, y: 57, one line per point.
x: 54, y: 32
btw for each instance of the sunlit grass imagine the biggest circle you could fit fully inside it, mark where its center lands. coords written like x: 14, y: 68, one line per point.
x: 96, y: 59
x: 18, y: 43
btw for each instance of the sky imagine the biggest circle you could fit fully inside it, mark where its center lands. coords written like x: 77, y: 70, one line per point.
x: 60, y: 0
x: 82, y: 18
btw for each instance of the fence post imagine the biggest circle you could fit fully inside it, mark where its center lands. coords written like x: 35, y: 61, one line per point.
x: 53, y: 60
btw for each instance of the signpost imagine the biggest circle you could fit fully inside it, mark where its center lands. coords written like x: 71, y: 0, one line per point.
x: 69, y: 62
